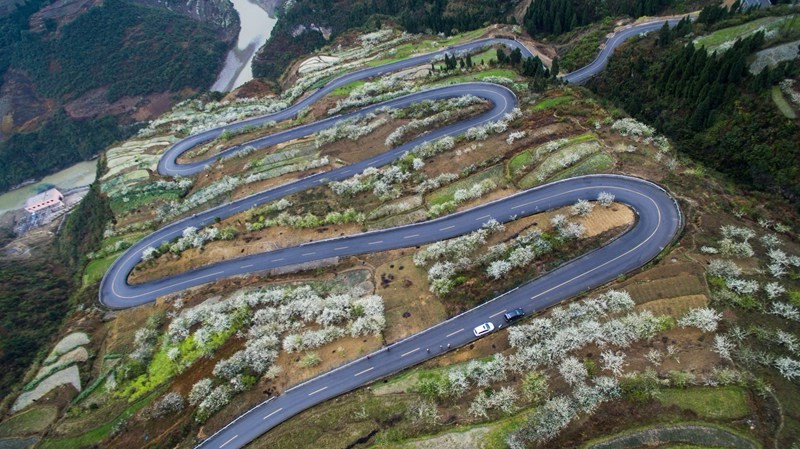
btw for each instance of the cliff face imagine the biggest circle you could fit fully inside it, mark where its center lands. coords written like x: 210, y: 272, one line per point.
x: 217, y: 13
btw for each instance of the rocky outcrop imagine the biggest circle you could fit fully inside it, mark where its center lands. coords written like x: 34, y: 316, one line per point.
x: 218, y: 13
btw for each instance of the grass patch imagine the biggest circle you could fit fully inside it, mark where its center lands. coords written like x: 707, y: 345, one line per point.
x: 520, y: 163
x: 782, y: 104
x: 33, y: 420
x: 505, y: 73
x: 719, y: 403
x: 161, y: 368
x: 719, y: 37
x: 593, y: 164
x: 95, y: 269
x: 549, y: 103
x: 347, y: 88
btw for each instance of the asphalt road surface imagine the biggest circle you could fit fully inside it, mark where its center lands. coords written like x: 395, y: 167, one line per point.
x: 658, y: 221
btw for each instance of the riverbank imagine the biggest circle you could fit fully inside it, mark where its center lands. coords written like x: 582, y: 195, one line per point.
x: 256, y: 27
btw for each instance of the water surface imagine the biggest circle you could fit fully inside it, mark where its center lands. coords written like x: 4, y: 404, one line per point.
x: 256, y: 26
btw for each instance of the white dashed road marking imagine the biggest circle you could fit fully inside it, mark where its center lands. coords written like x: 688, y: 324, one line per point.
x: 276, y: 411
x: 362, y: 372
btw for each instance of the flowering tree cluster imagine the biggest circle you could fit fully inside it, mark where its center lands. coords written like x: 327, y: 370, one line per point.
x: 434, y: 183
x: 437, y: 113
x: 780, y: 262
x: 702, y: 318
x: 631, y: 127
x: 546, y: 341
x: 514, y: 136
x: 605, y: 199
x: 456, y: 381
x: 383, y: 89
x: 735, y: 241
x: 306, y: 221
x: 384, y: 183
x: 269, y: 319
x: 567, y: 229
x: 556, y: 413
x: 521, y: 251
x: 484, y: 131
x: 502, y: 400
x: 462, y: 195
x: 581, y: 208
x: 352, y: 128
x: 449, y: 256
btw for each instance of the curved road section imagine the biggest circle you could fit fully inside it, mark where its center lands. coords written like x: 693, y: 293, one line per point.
x: 658, y: 221
x: 584, y: 73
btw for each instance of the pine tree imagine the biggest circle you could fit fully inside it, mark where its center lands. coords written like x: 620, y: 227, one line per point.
x: 554, y: 69
x: 501, y: 56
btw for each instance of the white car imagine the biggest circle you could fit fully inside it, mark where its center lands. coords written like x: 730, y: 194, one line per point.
x: 483, y: 329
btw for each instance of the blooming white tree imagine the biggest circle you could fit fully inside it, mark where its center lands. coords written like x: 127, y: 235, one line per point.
x: 654, y: 356
x: 774, y: 290
x: 742, y: 286
x: 605, y: 199
x: 423, y: 412
x: 498, y: 269
x: 787, y: 340
x: 702, y: 318
x: 724, y: 268
x: 613, y: 361
x: 572, y: 370
x: 516, y: 135
x: 789, y: 368
x: 216, y: 399
x: 572, y: 231
x: 770, y: 241
x: 558, y: 221
x: 149, y: 253
x: 788, y: 311
x: 723, y: 346
x: 581, y: 207
x: 200, y: 390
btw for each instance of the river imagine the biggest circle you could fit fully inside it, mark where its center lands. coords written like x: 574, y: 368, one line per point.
x: 256, y: 26
x: 78, y: 175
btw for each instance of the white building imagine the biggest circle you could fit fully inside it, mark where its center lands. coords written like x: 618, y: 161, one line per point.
x: 44, y: 200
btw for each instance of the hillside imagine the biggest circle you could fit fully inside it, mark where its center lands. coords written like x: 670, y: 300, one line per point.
x: 697, y: 345
x: 78, y: 75
x: 719, y: 108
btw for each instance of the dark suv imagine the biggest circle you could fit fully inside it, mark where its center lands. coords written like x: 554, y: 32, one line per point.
x: 514, y: 315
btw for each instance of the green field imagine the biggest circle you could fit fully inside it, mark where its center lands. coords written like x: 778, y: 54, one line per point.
x: 96, y: 269
x: 593, y: 164
x: 30, y: 421
x: 549, y: 103
x: 718, y: 403
x: 519, y: 163
x: 505, y: 73
x: 719, y: 37
x: 347, y: 88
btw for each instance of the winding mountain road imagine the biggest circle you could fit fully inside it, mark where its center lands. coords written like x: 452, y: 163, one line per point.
x: 658, y: 221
